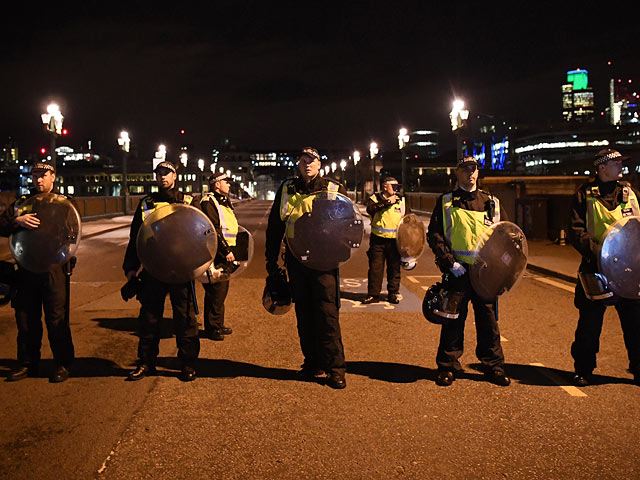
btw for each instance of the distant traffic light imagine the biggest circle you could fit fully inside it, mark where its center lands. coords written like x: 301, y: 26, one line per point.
x: 182, y: 132
x: 43, y: 150
x: 64, y: 131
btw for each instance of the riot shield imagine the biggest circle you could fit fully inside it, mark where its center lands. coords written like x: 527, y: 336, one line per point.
x: 620, y: 257
x: 410, y: 240
x: 501, y: 258
x: 55, y: 240
x: 243, y: 253
x: 323, y: 229
x: 176, y: 243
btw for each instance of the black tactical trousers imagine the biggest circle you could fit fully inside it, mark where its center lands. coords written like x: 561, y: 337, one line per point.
x: 38, y: 292
x: 381, y: 249
x: 315, y: 294
x: 488, y: 348
x: 587, y: 336
x: 152, y: 296
x: 214, y: 297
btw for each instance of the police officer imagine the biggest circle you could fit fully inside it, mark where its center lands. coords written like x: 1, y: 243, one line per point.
x: 595, y: 206
x: 40, y: 291
x: 314, y: 292
x: 153, y: 291
x: 386, y: 209
x: 458, y: 219
x: 217, y: 206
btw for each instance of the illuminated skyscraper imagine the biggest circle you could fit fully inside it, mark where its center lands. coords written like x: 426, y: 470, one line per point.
x: 577, y: 98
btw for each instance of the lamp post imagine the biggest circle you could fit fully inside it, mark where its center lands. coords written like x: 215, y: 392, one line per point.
x: 184, y: 157
x: 356, y: 159
x: 373, y: 152
x: 52, y: 121
x: 125, y: 142
x: 403, y: 139
x: 343, y: 165
x: 458, y: 117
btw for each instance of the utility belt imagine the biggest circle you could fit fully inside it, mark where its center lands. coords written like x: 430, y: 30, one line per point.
x: 595, y: 286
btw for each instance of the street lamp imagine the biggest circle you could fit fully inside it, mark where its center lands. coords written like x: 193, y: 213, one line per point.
x: 125, y: 142
x: 334, y: 166
x: 403, y: 139
x: 52, y: 121
x: 458, y: 117
x: 326, y: 169
x: 356, y: 159
x: 373, y: 152
x: 343, y: 165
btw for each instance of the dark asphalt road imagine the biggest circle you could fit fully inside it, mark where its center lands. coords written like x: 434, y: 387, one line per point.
x: 247, y: 417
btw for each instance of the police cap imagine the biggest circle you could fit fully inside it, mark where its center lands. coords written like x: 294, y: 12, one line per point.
x: 41, y: 167
x: 217, y: 177
x: 310, y: 152
x: 606, y: 154
x: 467, y: 160
x: 167, y: 165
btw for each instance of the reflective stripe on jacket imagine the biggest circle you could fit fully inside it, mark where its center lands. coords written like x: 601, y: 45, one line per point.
x: 385, y: 222
x: 599, y: 218
x: 464, y: 228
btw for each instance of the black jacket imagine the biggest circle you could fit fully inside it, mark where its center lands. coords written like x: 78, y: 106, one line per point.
x: 276, y: 227
x: 477, y: 201
x: 131, y: 261
x: 582, y: 241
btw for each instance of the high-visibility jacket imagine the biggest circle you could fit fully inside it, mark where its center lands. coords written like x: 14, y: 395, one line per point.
x: 228, y: 220
x: 149, y: 206
x: 294, y: 204
x: 463, y: 229
x: 385, y: 221
x: 599, y: 218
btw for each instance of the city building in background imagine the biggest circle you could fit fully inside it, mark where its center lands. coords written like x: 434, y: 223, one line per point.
x: 623, y: 102
x: 577, y: 98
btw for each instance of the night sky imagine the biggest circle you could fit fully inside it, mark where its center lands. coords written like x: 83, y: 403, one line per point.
x: 287, y: 74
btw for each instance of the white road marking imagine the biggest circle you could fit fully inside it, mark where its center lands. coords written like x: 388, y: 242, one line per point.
x: 573, y: 391
x: 548, y: 281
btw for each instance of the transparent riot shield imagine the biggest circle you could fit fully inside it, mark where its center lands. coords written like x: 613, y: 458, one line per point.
x: 410, y: 240
x: 176, y: 243
x: 243, y: 253
x: 323, y: 229
x: 501, y: 259
x: 620, y: 257
x: 55, y: 240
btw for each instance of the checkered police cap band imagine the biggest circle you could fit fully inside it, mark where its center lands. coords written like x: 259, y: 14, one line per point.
x: 603, y: 156
x: 167, y: 165
x: 466, y: 161
x: 42, y: 167
x: 312, y: 152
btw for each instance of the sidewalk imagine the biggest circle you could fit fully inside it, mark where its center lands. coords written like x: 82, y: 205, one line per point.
x: 546, y: 257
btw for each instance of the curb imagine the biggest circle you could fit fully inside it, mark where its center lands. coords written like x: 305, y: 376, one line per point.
x: 552, y: 273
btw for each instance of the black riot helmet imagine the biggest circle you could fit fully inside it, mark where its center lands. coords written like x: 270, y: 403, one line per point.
x: 442, y: 302
x: 276, y: 297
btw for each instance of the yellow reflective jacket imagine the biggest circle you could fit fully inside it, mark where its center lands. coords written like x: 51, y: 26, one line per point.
x: 385, y: 222
x: 464, y: 228
x: 599, y: 218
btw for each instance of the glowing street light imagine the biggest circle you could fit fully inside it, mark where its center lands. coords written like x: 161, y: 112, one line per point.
x: 201, y: 164
x: 403, y: 140
x: 373, y: 153
x: 52, y: 121
x: 183, y: 159
x: 458, y: 117
x: 326, y: 169
x: 125, y: 143
x: 334, y: 166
